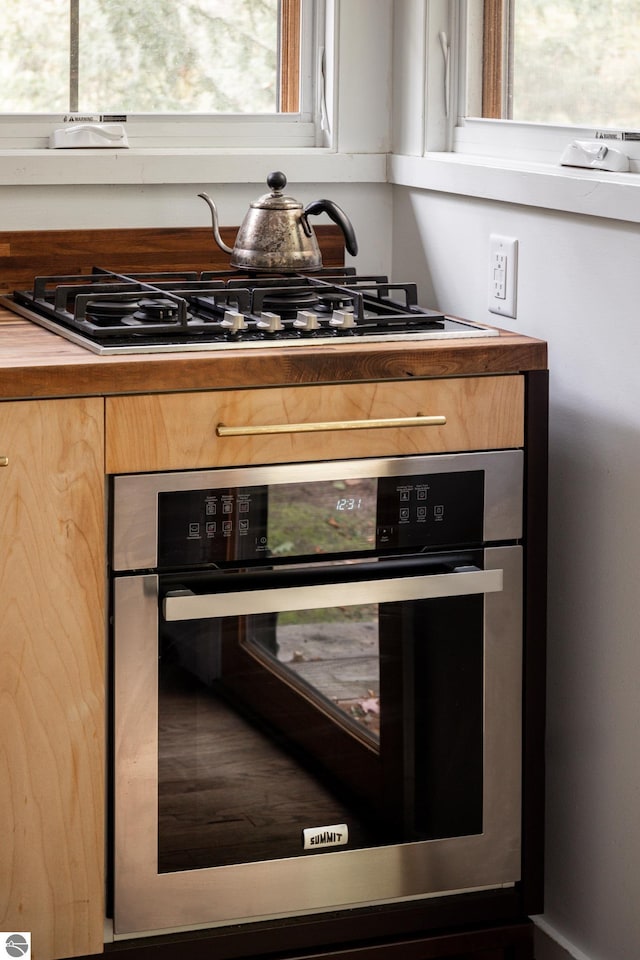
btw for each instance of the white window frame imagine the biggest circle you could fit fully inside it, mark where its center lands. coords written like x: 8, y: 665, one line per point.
x: 352, y: 133
x: 305, y: 129
x: 464, y: 131
x: 508, y: 139
x: 351, y: 143
x: 499, y: 159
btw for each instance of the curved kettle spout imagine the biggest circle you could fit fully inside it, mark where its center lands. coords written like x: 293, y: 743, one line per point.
x: 214, y: 220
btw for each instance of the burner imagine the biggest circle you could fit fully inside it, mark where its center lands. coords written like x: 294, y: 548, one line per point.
x: 328, y: 302
x: 288, y: 302
x: 153, y: 311
x: 111, y: 309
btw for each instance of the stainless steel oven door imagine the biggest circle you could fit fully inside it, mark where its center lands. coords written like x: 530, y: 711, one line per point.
x: 390, y: 769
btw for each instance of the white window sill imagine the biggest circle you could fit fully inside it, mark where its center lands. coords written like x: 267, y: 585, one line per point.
x: 591, y: 192
x: 185, y: 165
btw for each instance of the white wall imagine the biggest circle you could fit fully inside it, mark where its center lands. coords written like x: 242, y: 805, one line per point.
x: 177, y: 205
x: 578, y: 288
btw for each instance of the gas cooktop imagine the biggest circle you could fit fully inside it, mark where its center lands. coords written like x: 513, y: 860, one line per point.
x: 111, y: 313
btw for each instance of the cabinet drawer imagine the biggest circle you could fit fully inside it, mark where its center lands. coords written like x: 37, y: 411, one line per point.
x: 326, y: 422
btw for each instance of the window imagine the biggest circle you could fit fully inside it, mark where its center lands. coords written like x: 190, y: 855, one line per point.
x: 529, y: 76
x: 562, y: 61
x: 149, y: 56
x: 157, y: 63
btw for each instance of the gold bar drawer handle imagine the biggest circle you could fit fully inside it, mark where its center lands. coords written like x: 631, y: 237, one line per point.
x: 4, y: 461
x: 222, y: 430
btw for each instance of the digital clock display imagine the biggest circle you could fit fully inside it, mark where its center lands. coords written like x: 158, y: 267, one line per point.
x: 349, y: 503
x: 322, y: 517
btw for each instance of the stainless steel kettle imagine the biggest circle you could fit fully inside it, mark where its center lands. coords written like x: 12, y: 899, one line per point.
x: 275, y: 234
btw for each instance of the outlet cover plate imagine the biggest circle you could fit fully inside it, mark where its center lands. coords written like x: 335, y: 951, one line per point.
x: 503, y: 272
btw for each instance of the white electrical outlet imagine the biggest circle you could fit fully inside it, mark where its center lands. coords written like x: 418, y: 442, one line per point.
x: 503, y: 271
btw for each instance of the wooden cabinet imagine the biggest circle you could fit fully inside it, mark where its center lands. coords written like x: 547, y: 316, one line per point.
x: 53, y: 601
x: 320, y: 422
x: 52, y: 674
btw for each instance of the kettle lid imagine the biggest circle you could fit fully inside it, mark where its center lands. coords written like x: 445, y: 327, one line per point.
x: 276, y: 200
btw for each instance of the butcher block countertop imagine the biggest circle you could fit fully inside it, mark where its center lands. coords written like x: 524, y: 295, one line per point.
x: 37, y: 363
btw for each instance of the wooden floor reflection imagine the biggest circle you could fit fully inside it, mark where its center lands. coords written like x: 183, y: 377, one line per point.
x: 229, y: 793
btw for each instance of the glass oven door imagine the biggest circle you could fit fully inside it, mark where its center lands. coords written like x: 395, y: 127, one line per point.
x: 270, y: 722
x: 368, y: 689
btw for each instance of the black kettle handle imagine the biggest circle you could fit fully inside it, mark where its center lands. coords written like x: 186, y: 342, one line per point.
x: 340, y: 218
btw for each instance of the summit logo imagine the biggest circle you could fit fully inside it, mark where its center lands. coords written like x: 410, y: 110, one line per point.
x: 335, y: 835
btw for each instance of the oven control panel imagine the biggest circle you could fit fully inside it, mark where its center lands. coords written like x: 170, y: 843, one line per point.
x: 434, y: 510
x: 310, y: 520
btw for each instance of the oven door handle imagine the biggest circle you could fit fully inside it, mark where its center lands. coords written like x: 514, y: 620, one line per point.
x: 184, y: 604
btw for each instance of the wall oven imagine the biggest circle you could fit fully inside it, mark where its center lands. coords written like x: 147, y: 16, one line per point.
x: 317, y: 688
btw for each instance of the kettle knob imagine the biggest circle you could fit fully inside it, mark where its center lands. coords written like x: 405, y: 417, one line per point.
x: 276, y: 180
